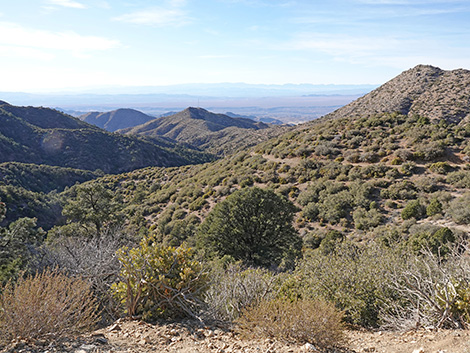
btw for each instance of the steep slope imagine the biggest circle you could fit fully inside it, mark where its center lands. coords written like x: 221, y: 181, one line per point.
x: 42, y: 178
x: 423, y: 90
x: 26, y: 189
x: 214, y: 133
x: 116, y: 119
x: 380, y: 175
x: 46, y: 136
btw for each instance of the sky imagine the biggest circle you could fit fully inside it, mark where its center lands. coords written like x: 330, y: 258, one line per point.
x: 53, y: 45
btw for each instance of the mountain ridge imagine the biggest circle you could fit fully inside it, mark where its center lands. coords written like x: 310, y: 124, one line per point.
x: 205, y: 130
x: 46, y: 136
x: 422, y: 90
x: 116, y: 119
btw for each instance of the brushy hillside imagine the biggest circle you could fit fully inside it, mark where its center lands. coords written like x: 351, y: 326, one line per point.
x: 41, y: 177
x: 423, y: 90
x: 116, y: 119
x: 46, y: 136
x: 214, y: 133
x: 364, y: 176
x: 358, y: 219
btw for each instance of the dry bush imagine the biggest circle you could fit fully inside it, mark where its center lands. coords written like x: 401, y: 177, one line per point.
x: 314, y: 321
x: 46, y: 305
x: 433, y: 290
x: 233, y: 289
x: 93, y: 259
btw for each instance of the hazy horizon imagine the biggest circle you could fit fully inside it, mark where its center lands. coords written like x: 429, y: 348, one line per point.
x: 50, y: 45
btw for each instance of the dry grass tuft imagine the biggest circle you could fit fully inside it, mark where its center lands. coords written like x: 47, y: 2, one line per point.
x: 46, y: 305
x: 313, y: 321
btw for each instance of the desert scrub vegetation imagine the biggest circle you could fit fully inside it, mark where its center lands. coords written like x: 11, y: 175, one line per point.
x: 158, y: 281
x: 313, y: 321
x: 46, y: 305
x: 233, y: 288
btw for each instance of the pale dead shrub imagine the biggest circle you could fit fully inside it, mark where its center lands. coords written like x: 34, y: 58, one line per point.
x: 233, y: 289
x: 314, y: 321
x: 46, y: 305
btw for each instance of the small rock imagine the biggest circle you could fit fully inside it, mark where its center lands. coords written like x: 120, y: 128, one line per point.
x: 87, y: 347
x: 114, y: 327
x: 308, y: 347
x: 101, y: 340
x: 142, y: 342
x: 419, y: 350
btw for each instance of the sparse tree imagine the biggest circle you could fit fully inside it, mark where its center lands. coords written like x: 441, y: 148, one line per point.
x: 93, y: 204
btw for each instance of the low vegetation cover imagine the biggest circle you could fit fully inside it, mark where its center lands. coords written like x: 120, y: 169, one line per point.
x: 302, y: 321
x: 157, y: 281
x: 46, y: 306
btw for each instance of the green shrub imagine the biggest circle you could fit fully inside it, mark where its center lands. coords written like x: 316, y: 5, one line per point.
x: 364, y: 219
x: 413, y: 209
x: 47, y: 305
x: 404, y: 190
x: 436, y: 241
x: 310, y: 211
x: 197, y: 204
x: 313, y: 321
x: 454, y: 296
x: 335, y: 206
x: 407, y: 168
x: 440, y: 167
x: 434, y: 207
x: 331, y: 240
x: 430, y: 151
x: 352, y: 277
x: 157, y: 281
x: 460, y: 179
x: 459, y: 209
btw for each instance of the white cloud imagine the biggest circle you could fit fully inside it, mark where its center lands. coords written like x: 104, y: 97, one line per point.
x: 8, y: 51
x: 339, y: 45
x: 66, y: 3
x: 18, y: 36
x: 173, y: 14
x: 215, y: 56
x: 392, y: 51
x: 155, y: 17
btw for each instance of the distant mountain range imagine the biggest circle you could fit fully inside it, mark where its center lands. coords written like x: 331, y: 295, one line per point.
x: 215, y: 133
x: 46, y: 136
x: 116, y: 119
x: 288, y: 103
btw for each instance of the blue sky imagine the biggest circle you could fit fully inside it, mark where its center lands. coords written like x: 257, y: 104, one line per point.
x: 48, y: 45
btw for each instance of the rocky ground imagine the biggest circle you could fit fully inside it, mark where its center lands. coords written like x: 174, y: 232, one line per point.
x: 138, y: 336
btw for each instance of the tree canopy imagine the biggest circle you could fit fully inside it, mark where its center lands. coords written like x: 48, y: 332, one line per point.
x: 253, y: 225
x: 93, y: 204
